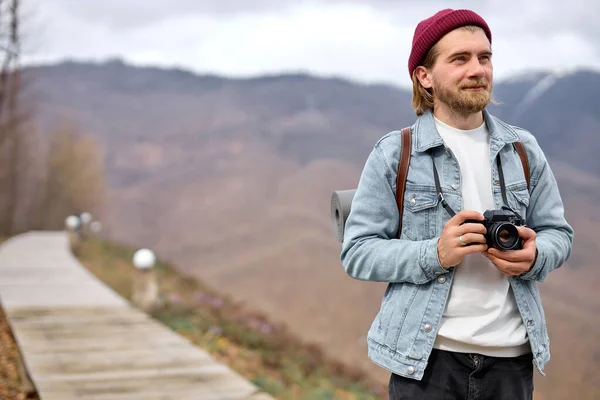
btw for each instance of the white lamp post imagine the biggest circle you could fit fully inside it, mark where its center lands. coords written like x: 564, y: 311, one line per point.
x: 72, y: 225
x: 86, y: 218
x: 145, y: 285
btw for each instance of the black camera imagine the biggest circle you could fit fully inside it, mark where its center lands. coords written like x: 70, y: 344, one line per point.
x: 501, y: 228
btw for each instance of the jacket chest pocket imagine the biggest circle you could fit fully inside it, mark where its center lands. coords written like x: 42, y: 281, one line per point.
x: 518, y: 199
x: 420, y: 214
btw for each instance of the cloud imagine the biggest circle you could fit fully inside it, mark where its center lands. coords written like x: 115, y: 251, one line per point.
x: 133, y: 14
x: 363, y: 40
x: 541, y: 16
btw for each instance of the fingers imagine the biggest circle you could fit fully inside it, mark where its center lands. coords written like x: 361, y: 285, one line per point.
x: 508, y: 255
x: 523, y: 255
x: 471, y: 228
x: 464, y: 215
x: 469, y: 238
x: 452, y: 247
x: 500, y: 264
x: 507, y: 268
x: 474, y: 248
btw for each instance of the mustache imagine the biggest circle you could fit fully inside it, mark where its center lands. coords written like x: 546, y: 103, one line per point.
x: 481, y: 83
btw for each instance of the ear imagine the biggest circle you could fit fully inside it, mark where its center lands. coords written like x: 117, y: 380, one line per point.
x: 423, y: 76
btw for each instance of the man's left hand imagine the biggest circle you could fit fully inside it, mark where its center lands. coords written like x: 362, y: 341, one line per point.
x: 515, y: 262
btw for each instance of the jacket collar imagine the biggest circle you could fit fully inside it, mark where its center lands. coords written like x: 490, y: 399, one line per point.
x: 427, y: 136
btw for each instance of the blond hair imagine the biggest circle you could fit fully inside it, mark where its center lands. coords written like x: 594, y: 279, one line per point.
x: 422, y: 98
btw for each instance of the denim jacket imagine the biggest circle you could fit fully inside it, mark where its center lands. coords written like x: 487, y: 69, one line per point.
x: 402, y: 334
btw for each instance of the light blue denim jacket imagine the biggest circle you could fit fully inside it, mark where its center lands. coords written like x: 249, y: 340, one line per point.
x: 419, y: 286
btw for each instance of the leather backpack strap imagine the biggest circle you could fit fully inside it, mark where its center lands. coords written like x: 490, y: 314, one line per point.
x: 403, y: 174
x: 520, y: 148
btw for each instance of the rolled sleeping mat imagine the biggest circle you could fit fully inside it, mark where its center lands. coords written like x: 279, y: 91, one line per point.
x: 341, y: 201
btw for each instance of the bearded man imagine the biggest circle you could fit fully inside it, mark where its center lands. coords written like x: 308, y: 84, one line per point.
x: 462, y: 316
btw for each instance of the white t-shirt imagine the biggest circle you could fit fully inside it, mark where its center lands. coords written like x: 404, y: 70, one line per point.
x: 481, y: 314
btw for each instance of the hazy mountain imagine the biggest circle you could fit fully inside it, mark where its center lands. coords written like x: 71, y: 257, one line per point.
x: 562, y: 110
x: 231, y: 180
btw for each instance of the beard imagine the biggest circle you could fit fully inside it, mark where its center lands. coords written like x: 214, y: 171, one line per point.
x: 460, y: 99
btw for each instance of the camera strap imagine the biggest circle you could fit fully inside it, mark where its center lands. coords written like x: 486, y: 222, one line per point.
x: 501, y: 177
x: 438, y: 188
x: 440, y: 195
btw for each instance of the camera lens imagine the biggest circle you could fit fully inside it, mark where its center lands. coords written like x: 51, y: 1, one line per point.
x: 505, y: 236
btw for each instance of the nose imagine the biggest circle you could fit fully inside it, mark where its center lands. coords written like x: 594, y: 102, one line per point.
x: 476, y: 68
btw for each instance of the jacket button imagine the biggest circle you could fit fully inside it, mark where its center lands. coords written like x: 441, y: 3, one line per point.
x: 411, y: 370
x: 413, y: 202
x: 442, y: 279
x: 454, y: 186
x: 427, y: 328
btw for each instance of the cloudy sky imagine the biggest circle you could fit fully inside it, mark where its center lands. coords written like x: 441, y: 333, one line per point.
x: 366, y: 40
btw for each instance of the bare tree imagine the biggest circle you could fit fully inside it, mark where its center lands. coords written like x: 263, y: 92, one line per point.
x: 10, y: 120
x: 73, y: 181
x: 39, y: 188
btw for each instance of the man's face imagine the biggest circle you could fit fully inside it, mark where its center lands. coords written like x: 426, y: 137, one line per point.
x: 461, y: 76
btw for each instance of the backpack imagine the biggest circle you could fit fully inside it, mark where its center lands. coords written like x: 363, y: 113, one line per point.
x: 405, y: 161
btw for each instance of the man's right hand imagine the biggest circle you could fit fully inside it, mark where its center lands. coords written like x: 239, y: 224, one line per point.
x: 451, y: 250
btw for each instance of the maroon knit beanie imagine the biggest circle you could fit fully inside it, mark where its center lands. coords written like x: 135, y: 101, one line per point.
x: 429, y: 31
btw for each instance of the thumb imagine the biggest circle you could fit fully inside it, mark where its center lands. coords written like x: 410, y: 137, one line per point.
x: 526, y: 233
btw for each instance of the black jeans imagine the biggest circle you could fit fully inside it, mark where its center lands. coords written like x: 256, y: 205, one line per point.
x: 461, y: 376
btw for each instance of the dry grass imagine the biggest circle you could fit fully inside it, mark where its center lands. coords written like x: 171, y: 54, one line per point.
x: 10, y: 383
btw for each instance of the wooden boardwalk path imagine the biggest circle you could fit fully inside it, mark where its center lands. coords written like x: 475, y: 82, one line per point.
x: 81, y: 340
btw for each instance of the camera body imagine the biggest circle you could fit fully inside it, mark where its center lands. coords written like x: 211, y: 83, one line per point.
x: 501, y: 231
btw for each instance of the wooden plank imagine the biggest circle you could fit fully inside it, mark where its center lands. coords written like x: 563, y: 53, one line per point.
x: 258, y: 396
x: 35, y: 272
x: 210, y: 382
x: 88, y: 317
x: 84, y: 294
x: 76, y: 312
x: 178, y: 395
x: 149, y: 335
x: 118, y: 360
x: 131, y: 331
x: 30, y: 347
x: 202, y: 383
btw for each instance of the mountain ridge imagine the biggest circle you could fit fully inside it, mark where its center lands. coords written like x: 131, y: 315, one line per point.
x: 523, y: 76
